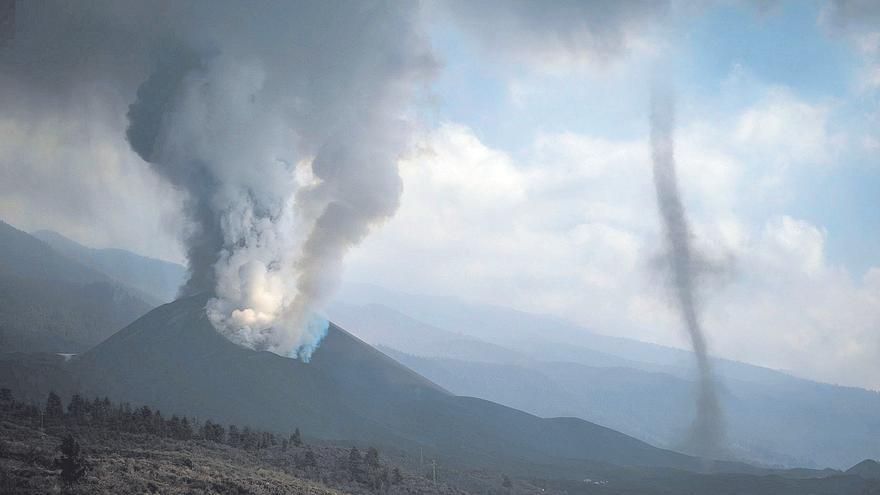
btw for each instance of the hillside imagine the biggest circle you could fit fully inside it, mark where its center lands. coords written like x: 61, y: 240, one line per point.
x: 138, y: 450
x: 160, y: 279
x: 773, y: 418
x: 52, y: 303
x: 173, y: 358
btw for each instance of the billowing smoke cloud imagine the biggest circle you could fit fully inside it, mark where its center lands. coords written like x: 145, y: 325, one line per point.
x: 707, y: 432
x: 280, y: 122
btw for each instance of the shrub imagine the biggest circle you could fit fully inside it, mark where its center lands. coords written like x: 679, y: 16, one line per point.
x: 72, y: 463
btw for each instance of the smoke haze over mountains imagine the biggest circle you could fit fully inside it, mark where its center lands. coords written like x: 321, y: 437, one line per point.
x: 280, y: 123
x: 525, y: 153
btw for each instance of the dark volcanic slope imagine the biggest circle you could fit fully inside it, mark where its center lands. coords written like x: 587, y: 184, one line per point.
x: 51, y: 303
x: 159, y: 279
x: 173, y: 359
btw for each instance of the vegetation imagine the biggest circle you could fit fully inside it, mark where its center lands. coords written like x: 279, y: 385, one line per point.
x: 72, y: 463
x: 96, y: 446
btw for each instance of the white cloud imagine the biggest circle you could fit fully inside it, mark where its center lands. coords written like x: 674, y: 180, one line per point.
x: 794, y: 310
x: 788, y: 131
x: 569, y: 227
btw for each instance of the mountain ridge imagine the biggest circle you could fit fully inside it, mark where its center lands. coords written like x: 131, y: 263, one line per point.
x: 52, y: 303
x: 158, y: 278
x: 173, y: 358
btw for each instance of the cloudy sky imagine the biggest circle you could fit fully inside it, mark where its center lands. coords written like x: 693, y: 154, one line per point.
x: 527, y: 181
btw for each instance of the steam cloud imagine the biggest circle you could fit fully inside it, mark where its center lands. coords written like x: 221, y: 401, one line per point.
x: 707, y: 432
x: 231, y: 128
x: 281, y: 122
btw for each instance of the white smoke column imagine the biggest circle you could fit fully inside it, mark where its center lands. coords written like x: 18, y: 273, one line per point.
x: 234, y: 118
x: 707, y: 433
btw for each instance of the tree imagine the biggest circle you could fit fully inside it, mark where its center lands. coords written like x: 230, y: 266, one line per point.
x: 296, y: 438
x: 396, y: 476
x: 284, y: 445
x: 157, y: 425
x: 186, y: 431
x: 6, y: 398
x: 266, y: 440
x: 76, y: 408
x: 309, y: 459
x: 213, y: 432
x: 145, y: 420
x: 234, y: 436
x: 506, y: 483
x: 248, y: 438
x: 100, y: 409
x: 72, y: 463
x: 371, y: 459
x: 54, y: 408
x: 173, y: 426
x: 355, y: 465
x: 379, y: 479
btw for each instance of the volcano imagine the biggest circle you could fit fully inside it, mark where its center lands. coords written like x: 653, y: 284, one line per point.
x: 173, y: 359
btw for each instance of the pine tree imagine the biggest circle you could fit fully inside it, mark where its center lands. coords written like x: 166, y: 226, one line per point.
x: 506, y: 483
x: 384, y: 478
x: 186, y: 431
x: 371, y: 459
x: 296, y: 438
x: 72, y: 463
x: 355, y: 465
x: 234, y: 436
x: 248, y: 438
x: 396, y: 476
x: 173, y: 428
x: 54, y: 408
x: 213, y: 432
x: 144, y: 420
x: 99, y: 413
x: 157, y: 425
x: 309, y: 461
x: 76, y: 408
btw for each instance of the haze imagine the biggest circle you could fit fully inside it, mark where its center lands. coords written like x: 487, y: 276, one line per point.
x: 655, y: 216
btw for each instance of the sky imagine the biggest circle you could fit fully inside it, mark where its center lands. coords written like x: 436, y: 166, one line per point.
x: 526, y: 181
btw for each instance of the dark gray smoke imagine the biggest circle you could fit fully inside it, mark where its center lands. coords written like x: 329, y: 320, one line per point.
x: 707, y: 432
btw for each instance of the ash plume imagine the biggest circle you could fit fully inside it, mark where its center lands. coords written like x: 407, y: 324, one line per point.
x: 706, y: 437
x: 280, y: 122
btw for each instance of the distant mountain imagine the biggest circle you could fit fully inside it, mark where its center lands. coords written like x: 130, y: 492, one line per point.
x: 350, y: 393
x: 51, y: 303
x: 380, y: 325
x: 160, y: 279
x: 174, y: 359
x: 773, y: 418
x: 621, y: 398
x: 543, y: 337
x: 868, y: 469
